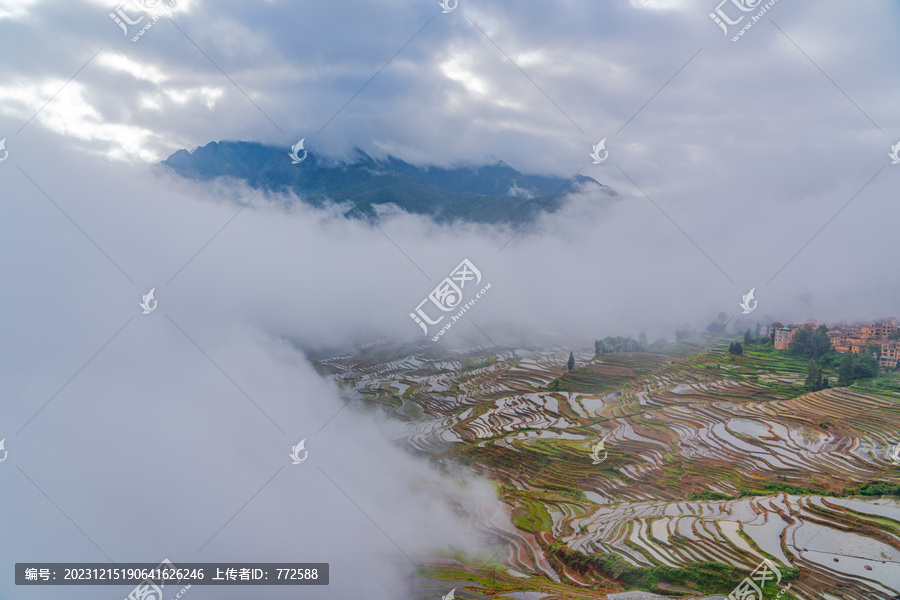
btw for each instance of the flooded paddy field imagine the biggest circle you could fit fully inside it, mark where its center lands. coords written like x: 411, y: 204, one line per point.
x: 708, y: 465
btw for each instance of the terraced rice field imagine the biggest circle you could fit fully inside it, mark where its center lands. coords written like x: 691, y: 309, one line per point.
x: 709, y: 458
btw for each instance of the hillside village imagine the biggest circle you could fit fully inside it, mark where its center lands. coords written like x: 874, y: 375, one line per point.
x: 881, y: 338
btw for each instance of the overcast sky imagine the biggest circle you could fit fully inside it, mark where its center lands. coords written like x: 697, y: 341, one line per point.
x: 745, y: 149
x: 761, y: 163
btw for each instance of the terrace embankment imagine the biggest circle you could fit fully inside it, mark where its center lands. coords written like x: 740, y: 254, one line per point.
x: 707, y: 459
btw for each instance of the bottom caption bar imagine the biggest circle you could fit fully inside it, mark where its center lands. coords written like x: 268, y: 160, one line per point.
x: 157, y: 576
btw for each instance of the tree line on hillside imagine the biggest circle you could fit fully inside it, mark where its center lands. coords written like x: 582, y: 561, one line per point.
x: 856, y: 366
x: 717, y: 326
x: 851, y: 367
x: 609, y: 344
x: 814, y: 344
x: 761, y: 342
x: 811, y: 342
x: 808, y: 342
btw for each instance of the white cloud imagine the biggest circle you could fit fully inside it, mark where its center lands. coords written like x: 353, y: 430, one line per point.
x: 121, y: 63
x: 12, y: 9
x: 658, y: 4
x: 745, y: 154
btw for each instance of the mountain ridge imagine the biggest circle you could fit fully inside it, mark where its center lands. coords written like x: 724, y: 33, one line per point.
x: 490, y: 193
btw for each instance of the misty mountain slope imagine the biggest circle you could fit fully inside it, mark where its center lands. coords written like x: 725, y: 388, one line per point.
x: 493, y: 193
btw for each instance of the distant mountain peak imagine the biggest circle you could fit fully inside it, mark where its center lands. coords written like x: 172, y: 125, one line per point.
x: 489, y: 193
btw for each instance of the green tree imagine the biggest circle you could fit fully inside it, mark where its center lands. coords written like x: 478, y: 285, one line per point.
x: 813, y: 376
x: 717, y: 325
x: 802, y: 341
x: 611, y: 344
x: 642, y: 341
x: 748, y: 339
x: 876, y: 350
x: 735, y: 348
x: 846, y: 368
x: 571, y: 362
x: 821, y: 343
x: 866, y: 366
x: 811, y: 342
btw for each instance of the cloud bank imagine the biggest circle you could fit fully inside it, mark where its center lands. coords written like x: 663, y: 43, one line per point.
x: 759, y: 164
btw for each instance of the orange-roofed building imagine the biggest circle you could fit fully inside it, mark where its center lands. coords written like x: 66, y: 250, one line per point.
x: 890, y: 354
x: 784, y: 336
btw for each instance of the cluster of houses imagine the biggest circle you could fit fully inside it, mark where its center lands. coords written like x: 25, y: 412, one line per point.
x: 849, y: 338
